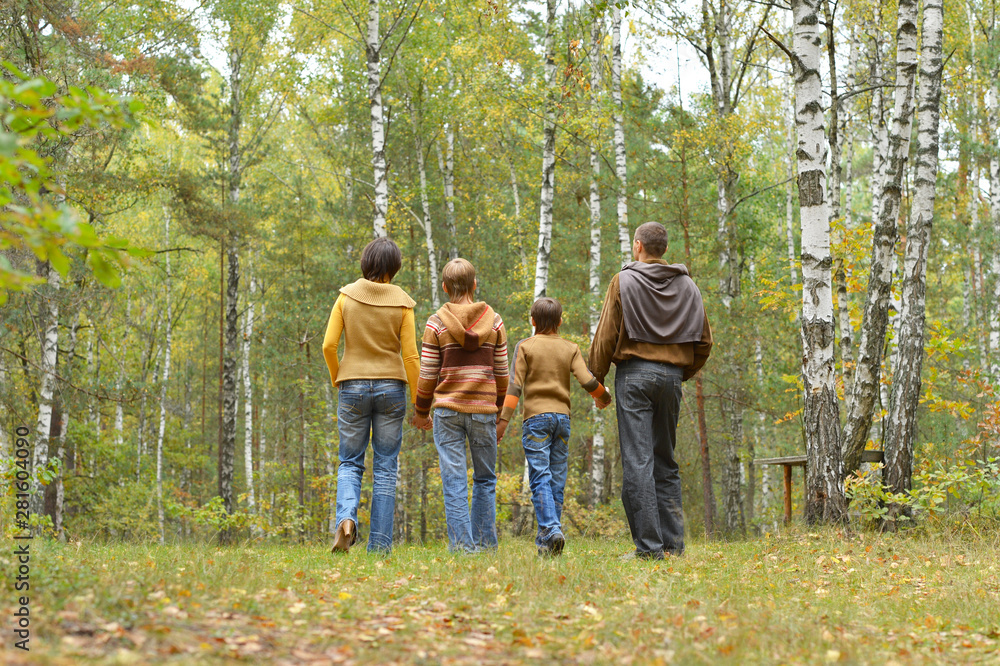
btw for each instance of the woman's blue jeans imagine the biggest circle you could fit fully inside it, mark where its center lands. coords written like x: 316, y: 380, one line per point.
x: 545, y: 438
x: 374, y: 407
x: 475, y: 529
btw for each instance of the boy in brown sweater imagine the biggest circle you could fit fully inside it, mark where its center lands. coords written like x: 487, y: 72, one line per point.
x: 543, y: 364
x: 463, y: 376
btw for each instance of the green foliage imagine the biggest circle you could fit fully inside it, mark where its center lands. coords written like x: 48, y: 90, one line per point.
x: 29, y: 218
x: 966, y: 492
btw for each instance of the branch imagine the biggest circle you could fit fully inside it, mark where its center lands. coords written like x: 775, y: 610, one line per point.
x: 328, y: 26
x: 781, y: 45
x: 24, y: 359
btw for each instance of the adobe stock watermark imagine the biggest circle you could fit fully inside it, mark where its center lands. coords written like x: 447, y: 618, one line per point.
x: 22, y: 541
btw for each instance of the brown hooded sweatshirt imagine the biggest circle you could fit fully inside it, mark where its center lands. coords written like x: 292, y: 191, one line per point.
x: 463, y: 361
x: 652, y: 311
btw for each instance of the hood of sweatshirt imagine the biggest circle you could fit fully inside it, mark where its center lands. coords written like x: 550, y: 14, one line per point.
x: 660, y: 303
x: 468, y: 323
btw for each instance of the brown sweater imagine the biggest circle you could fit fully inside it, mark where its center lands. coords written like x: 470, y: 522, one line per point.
x: 542, y: 367
x: 376, y: 320
x: 463, y: 362
x: 612, y: 345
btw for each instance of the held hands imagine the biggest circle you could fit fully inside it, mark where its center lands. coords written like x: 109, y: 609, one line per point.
x: 501, y: 429
x: 604, y: 400
x: 422, y: 422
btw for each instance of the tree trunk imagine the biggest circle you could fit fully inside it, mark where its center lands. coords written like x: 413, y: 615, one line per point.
x: 548, y: 158
x: 825, y: 501
x: 380, y: 177
x: 60, y: 488
x: 248, y: 322
x: 621, y: 170
x: 425, y: 205
x: 261, y: 429
x: 994, y: 127
x: 597, y: 449
x: 732, y: 502
x: 790, y: 201
x: 164, y: 379
x: 875, y: 318
x: 906, y: 378
x: 47, y: 367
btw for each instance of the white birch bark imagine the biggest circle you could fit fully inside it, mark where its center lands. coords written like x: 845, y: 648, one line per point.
x: 978, y: 289
x: 248, y: 322
x: 425, y: 204
x: 165, y: 379
x: 875, y: 318
x: 119, y: 409
x: 47, y: 366
x: 621, y: 170
x: 597, y: 448
x: 825, y: 501
x: 906, y: 378
x: 548, y: 158
x: 994, y: 137
x: 60, y: 486
x: 790, y: 200
x: 261, y: 429
x: 380, y: 177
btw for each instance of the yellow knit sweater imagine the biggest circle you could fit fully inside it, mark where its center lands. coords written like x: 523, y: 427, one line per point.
x: 376, y: 320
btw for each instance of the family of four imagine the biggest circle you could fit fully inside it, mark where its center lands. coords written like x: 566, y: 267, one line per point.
x: 653, y: 327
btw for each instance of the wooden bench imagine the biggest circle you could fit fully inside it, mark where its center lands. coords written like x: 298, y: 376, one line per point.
x: 788, y: 462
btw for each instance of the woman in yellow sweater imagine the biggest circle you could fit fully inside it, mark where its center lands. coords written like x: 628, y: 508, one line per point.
x: 380, y: 358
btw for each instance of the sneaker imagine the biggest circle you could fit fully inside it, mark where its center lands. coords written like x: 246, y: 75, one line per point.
x: 556, y: 545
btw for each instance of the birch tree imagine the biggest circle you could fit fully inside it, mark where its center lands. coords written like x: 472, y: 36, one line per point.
x: 825, y: 501
x: 597, y: 448
x: 47, y: 368
x: 373, y: 55
x: 248, y: 425
x: 166, y: 376
x: 425, y: 204
x: 874, y: 320
x: 548, y: 157
x: 906, y: 377
x: 621, y: 164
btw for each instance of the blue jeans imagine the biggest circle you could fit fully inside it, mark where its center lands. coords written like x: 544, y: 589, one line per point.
x: 648, y: 402
x: 476, y: 529
x: 374, y: 407
x: 545, y: 438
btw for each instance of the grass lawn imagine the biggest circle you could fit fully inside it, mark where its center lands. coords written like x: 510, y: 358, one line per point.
x: 805, y: 597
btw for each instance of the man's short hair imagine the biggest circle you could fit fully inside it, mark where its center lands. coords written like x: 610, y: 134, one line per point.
x: 459, y: 277
x: 381, y: 260
x: 653, y: 237
x: 547, y: 313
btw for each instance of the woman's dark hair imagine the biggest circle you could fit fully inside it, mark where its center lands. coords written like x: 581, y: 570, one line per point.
x: 381, y: 259
x: 547, y: 313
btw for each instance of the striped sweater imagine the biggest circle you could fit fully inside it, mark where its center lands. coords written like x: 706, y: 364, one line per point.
x: 463, y: 361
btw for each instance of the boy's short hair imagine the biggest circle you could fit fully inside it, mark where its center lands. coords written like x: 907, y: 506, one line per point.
x: 653, y: 237
x: 547, y: 313
x: 380, y: 259
x: 459, y: 277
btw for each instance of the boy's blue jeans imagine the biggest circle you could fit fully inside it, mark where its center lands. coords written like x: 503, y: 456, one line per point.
x: 475, y: 529
x: 375, y: 407
x: 545, y: 438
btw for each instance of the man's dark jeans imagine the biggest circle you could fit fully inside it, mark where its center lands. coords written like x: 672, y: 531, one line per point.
x: 648, y: 401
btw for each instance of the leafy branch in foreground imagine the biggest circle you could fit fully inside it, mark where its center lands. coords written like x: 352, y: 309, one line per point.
x: 33, y: 214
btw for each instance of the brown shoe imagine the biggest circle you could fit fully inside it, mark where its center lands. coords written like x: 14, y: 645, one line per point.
x: 345, y: 537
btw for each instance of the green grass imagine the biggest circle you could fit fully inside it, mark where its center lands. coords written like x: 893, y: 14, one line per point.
x: 800, y: 598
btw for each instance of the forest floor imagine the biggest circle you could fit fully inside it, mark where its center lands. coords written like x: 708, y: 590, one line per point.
x: 804, y: 597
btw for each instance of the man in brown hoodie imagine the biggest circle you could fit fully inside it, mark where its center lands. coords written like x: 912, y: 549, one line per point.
x: 463, y: 376
x: 654, y: 328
